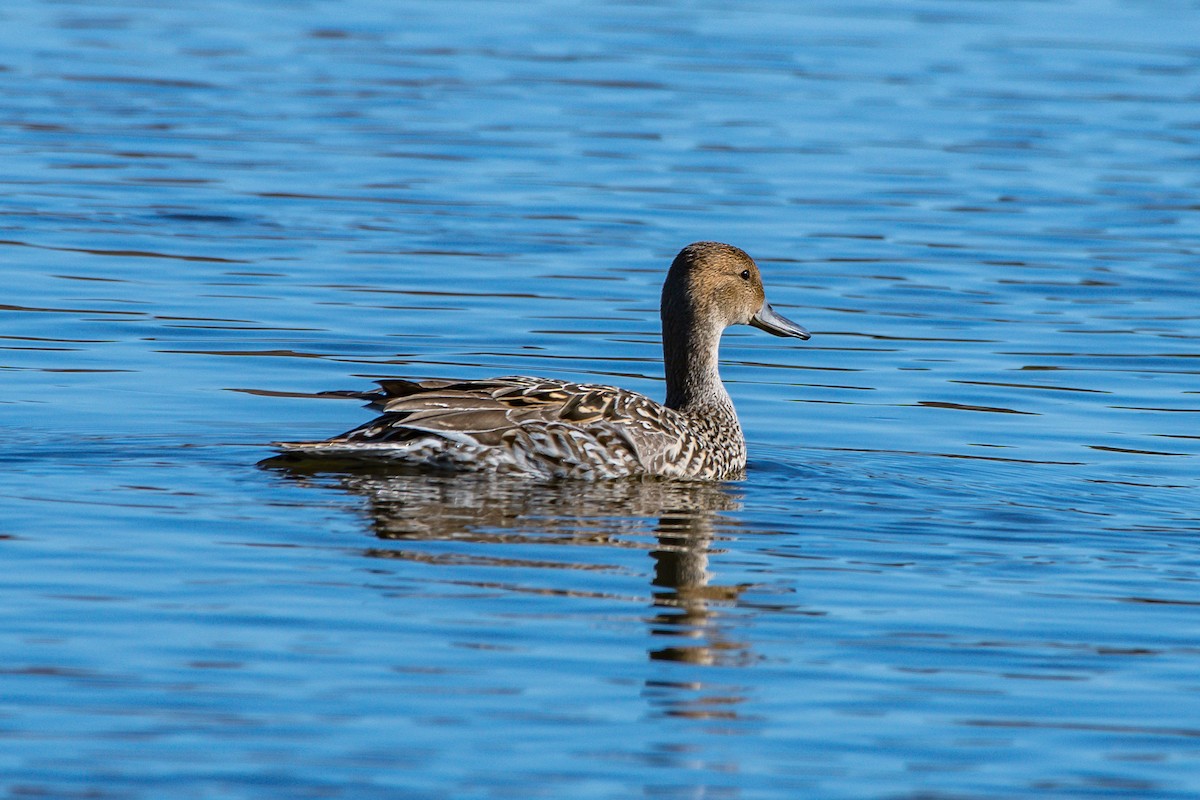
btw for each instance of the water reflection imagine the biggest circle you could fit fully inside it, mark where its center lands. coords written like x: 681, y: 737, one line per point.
x: 687, y: 614
x: 678, y: 522
x: 686, y: 595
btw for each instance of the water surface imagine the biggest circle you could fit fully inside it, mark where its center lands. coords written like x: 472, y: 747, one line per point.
x: 962, y: 563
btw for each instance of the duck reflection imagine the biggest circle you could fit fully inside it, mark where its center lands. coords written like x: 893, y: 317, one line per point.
x: 685, y: 594
x: 684, y: 520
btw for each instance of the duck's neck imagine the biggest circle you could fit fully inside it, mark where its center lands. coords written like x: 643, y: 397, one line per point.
x: 690, y: 360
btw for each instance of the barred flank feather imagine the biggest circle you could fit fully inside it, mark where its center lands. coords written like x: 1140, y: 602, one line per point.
x: 536, y: 425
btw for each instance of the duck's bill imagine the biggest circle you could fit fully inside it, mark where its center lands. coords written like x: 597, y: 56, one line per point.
x: 768, y: 320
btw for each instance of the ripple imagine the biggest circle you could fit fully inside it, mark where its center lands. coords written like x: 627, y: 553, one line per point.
x: 970, y: 506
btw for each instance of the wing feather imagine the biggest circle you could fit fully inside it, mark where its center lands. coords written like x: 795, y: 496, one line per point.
x: 539, y: 424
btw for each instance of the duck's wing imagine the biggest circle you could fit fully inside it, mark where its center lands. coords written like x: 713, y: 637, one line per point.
x: 487, y: 408
x: 538, y: 424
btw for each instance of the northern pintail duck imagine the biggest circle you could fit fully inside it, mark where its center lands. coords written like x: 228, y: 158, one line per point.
x: 558, y: 429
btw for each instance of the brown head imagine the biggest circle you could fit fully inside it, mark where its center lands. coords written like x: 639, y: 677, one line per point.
x: 711, y: 284
x: 709, y: 287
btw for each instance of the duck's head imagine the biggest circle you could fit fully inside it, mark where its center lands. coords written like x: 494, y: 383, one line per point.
x: 713, y: 285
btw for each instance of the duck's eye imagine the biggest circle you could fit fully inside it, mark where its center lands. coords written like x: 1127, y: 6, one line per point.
x: 745, y: 274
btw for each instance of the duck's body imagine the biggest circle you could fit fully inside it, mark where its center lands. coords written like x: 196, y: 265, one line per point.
x: 538, y: 426
x: 552, y: 428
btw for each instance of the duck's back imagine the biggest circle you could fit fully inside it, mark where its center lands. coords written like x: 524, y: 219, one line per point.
x: 539, y: 426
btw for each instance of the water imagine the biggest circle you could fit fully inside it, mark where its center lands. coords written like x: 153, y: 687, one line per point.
x: 962, y: 563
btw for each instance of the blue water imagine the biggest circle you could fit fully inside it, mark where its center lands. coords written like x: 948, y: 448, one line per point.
x: 962, y: 564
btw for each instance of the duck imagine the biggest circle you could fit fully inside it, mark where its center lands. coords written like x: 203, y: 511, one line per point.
x: 558, y: 429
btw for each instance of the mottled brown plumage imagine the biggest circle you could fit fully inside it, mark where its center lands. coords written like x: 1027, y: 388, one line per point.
x: 555, y: 428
